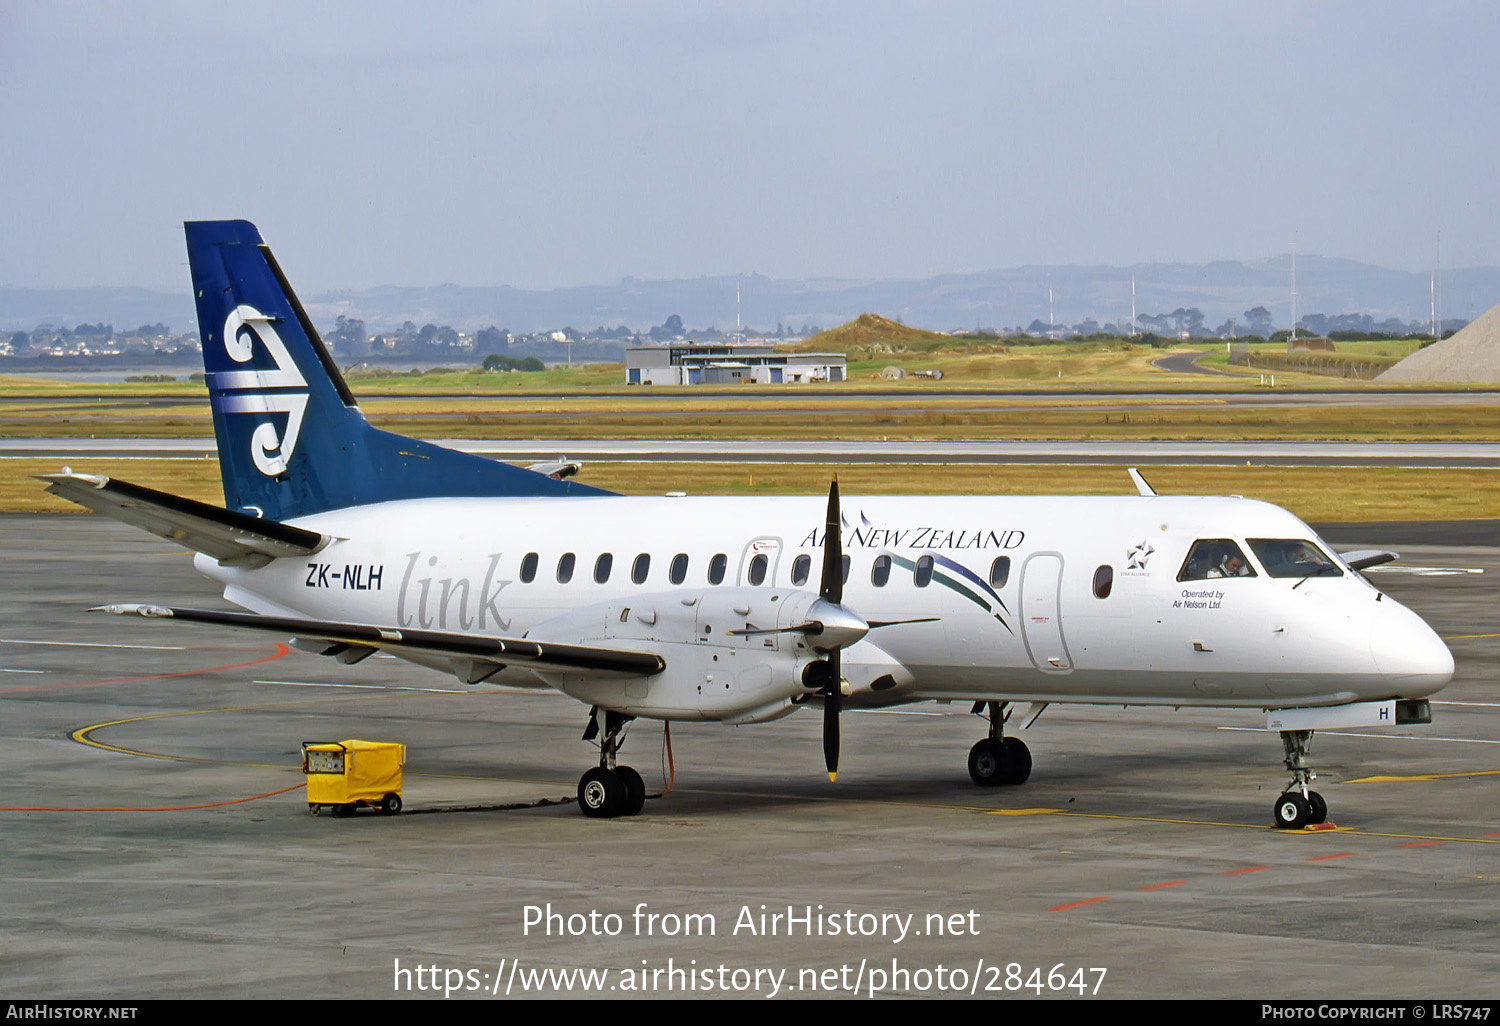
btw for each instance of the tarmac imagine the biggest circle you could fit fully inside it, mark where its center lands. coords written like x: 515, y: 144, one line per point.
x: 156, y: 841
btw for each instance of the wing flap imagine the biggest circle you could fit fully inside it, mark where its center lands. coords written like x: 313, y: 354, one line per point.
x: 235, y: 539
x: 479, y: 652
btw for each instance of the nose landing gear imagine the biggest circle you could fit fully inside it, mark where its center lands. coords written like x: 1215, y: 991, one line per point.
x: 1299, y: 805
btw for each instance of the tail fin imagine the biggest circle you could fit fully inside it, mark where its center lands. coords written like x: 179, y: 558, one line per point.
x: 292, y: 440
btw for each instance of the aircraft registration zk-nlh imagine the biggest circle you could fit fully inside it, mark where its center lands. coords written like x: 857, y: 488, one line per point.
x: 353, y: 541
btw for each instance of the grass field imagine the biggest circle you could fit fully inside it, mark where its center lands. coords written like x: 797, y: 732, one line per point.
x: 970, y: 363
x: 556, y: 404
x: 1313, y: 493
x: 783, y: 415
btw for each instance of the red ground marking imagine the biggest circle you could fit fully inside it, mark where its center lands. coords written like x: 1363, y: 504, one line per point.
x: 1076, y: 904
x: 1237, y: 872
x: 1325, y: 858
x: 281, y: 650
x: 1420, y: 844
x: 153, y: 808
x: 1160, y: 886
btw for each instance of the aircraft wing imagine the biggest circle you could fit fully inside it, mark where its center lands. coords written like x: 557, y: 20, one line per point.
x: 473, y: 658
x: 1363, y: 559
x: 234, y: 539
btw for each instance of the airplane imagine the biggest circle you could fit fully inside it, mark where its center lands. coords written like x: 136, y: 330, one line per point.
x: 353, y: 540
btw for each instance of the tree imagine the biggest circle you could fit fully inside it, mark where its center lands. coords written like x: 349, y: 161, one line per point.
x: 500, y: 362
x: 1316, y: 323
x: 348, y: 337
x: 1258, y: 321
x: 491, y: 340
x: 670, y: 328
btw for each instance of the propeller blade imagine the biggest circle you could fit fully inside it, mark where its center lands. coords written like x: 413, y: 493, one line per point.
x: 832, y: 589
x: 833, y: 700
x: 892, y: 623
x: 811, y: 627
x: 832, y: 592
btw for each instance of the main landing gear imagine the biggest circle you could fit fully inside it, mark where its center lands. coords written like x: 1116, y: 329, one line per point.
x: 998, y: 760
x: 609, y: 790
x: 1298, y: 805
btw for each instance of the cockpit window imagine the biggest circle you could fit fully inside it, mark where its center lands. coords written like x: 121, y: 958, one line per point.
x: 1213, y: 558
x: 1293, y: 557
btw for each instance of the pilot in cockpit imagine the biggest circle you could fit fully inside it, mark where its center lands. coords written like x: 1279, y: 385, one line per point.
x: 1231, y: 564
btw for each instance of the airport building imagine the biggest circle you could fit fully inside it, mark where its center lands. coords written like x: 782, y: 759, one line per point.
x: 695, y: 363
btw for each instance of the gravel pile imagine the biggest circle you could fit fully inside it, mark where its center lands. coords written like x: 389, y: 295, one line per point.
x: 1472, y: 354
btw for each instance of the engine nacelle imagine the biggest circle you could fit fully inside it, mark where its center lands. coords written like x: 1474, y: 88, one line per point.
x: 710, y: 674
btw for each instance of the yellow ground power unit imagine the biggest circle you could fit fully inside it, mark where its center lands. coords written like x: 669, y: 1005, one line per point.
x: 343, y: 775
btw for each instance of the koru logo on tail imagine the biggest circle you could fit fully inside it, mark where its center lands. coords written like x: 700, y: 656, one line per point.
x: 262, y: 391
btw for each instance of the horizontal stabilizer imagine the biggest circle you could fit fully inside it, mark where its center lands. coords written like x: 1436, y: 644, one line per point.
x: 234, y: 539
x: 521, y: 652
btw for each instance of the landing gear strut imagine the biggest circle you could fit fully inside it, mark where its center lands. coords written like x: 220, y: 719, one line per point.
x: 609, y: 790
x: 1298, y: 805
x: 998, y: 760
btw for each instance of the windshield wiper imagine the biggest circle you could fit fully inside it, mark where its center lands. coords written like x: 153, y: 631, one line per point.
x: 1319, y: 572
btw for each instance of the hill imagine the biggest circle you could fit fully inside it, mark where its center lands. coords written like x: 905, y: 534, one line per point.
x: 869, y: 330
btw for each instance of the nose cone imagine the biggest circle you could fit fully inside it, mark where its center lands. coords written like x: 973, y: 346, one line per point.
x: 1409, y: 653
x: 840, y: 627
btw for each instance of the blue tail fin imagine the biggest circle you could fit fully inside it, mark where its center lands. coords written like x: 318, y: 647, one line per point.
x: 292, y: 440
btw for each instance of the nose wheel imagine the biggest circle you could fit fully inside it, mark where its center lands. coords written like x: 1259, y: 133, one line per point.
x: 1299, y: 805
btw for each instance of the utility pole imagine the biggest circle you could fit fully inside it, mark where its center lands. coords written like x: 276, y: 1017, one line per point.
x: 1293, y: 336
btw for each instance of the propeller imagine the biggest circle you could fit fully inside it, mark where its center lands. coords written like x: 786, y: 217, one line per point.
x: 834, y: 626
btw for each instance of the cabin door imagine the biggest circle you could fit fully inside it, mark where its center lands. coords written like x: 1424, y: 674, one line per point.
x: 1041, y: 613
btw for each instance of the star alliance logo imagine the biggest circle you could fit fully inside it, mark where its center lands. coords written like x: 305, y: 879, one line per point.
x: 1138, y: 554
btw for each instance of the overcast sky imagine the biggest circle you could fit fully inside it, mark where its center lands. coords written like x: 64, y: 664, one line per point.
x: 551, y: 144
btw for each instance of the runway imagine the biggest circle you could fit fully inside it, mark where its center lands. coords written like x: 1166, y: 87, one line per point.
x: 1286, y: 453
x: 1137, y: 862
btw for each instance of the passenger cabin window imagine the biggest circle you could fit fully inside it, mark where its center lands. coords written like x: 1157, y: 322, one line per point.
x: 1104, y: 581
x: 880, y: 571
x: 640, y: 568
x: 758, y: 570
x: 528, y: 568
x: 565, y: 567
x: 716, y: 568
x: 999, y: 571
x: 677, y: 572
x: 801, y: 567
x: 922, y: 576
x: 1293, y: 557
x: 602, y: 567
x: 1212, y: 558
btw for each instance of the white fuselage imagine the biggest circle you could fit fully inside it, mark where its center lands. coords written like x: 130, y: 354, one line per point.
x: 1017, y: 587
